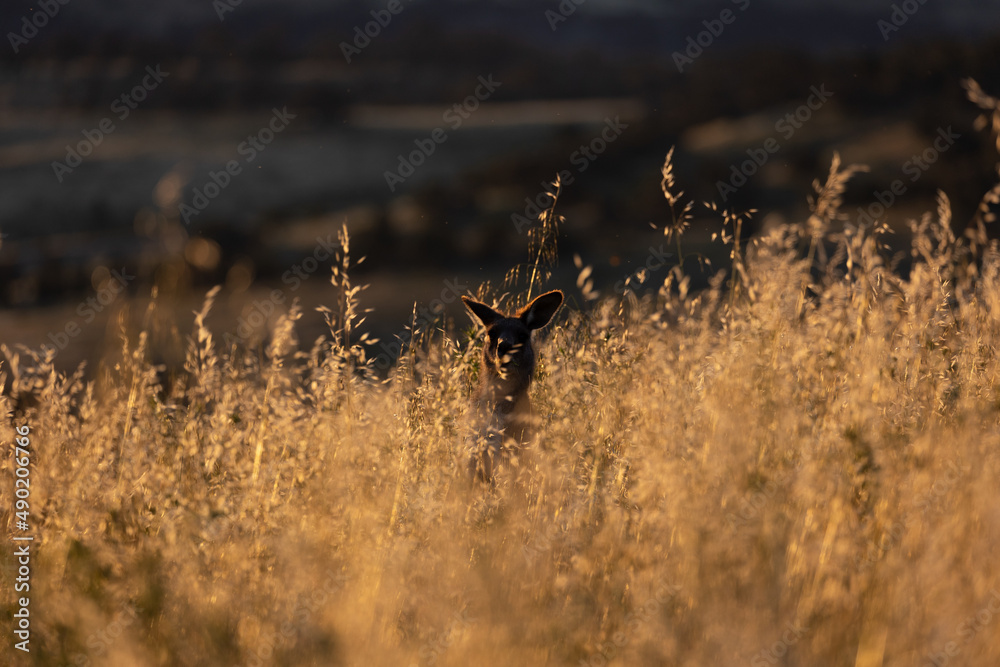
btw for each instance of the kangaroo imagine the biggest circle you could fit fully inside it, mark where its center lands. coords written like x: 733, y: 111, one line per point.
x: 507, y: 368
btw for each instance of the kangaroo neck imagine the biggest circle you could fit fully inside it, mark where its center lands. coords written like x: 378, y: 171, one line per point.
x: 503, y: 398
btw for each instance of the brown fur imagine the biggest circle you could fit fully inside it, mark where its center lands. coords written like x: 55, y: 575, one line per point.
x: 508, y: 365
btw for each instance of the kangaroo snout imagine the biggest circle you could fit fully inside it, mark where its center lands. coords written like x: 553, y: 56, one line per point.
x: 504, y: 348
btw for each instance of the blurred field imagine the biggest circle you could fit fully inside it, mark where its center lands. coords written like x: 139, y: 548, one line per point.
x: 795, y: 466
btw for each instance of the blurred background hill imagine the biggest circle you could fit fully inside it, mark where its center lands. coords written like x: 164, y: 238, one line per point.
x: 631, y: 79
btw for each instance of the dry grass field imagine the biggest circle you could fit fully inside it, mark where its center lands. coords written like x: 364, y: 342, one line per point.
x: 796, y: 466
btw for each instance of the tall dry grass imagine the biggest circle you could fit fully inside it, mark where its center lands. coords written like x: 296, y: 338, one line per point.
x: 796, y: 466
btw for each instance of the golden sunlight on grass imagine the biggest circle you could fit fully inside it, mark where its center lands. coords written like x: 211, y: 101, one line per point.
x: 796, y: 466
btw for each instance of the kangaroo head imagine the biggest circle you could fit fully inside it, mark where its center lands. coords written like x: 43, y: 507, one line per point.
x: 508, y: 358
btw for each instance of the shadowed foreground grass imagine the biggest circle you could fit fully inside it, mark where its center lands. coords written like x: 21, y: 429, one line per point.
x: 797, y: 466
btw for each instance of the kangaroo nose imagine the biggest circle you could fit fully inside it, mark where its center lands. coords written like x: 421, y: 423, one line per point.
x: 504, y: 347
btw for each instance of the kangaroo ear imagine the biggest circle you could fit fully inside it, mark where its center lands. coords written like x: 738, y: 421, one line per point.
x: 538, y: 313
x: 485, y: 314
